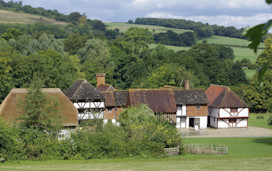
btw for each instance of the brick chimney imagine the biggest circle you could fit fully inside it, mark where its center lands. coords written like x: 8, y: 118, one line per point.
x: 100, y: 79
x: 186, y: 85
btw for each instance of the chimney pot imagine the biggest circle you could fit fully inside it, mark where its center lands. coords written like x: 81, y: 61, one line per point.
x: 100, y: 79
x: 186, y: 85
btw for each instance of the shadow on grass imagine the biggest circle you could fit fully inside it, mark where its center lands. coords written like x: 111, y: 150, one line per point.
x: 267, y: 141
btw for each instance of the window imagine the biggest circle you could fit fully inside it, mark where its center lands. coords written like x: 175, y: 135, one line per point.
x: 198, y: 107
x: 109, y: 110
x: 182, y: 119
x: 233, y: 110
x: 232, y: 120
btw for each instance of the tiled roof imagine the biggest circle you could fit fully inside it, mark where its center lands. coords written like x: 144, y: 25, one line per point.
x: 82, y: 90
x: 109, y: 98
x: 105, y: 87
x: 191, y: 97
x: 159, y: 100
x: 120, y: 97
x: 222, y: 96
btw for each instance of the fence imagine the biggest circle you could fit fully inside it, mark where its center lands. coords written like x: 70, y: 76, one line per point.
x: 205, y: 149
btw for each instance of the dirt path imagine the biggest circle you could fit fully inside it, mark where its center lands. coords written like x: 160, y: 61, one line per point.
x: 229, y: 132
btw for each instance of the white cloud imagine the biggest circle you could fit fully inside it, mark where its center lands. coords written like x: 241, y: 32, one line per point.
x: 199, y: 4
x: 226, y: 20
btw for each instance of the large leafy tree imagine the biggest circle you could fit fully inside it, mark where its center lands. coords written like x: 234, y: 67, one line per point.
x: 95, y: 58
x: 39, y: 110
x: 56, y: 69
x: 259, y: 92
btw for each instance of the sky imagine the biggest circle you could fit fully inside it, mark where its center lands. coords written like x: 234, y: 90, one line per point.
x: 238, y: 13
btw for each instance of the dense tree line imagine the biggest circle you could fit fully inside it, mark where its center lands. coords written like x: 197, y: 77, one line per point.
x: 172, y: 38
x: 127, y: 60
x: 201, y: 30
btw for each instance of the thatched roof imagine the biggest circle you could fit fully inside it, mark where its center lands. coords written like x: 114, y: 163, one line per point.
x: 81, y: 90
x: 120, y: 97
x: 9, y: 108
x: 159, y: 100
x: 190, y: 97
x: 222, y: 96
x: 109, y: 99
x: 105, y: 87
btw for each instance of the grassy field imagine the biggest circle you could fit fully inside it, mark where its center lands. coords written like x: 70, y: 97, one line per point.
x: 252, y: 121
x: 154, y: 29
x: 241, y: 53
x: 222, y: 40
x: 250, y: 73
x: 244, y: 154
x: 22, y: 18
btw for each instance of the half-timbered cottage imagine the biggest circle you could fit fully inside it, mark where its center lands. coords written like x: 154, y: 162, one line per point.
x: 89, y: 102
x: 225, y: 108
x: 160, y: 101
x: 192, y: 108
x: 9, y: 110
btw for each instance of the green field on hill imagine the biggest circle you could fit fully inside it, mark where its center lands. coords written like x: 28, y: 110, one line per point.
x: 154, y: 29
x: 22, y: 18
x: 244, y: 154
x: 247, y: 53
x: 222, y: 40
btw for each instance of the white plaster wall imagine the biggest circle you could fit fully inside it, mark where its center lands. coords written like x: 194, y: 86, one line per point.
x: 243, y: 112
x: 187, y: 122
x: 242, y: 123
x: 89, y: 105
x: 179, y: 110
x: 222, y: 124
x: 184, y: 109
x: 213, y: 112
x: 224, y: 113
x: 203, y: 122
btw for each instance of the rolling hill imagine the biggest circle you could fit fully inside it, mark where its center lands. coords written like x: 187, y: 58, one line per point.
x: 22, y: 18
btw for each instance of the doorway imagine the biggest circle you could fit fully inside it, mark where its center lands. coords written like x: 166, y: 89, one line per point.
x: 192, y: 122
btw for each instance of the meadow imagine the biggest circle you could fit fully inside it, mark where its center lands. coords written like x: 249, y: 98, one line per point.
x: 22, y: 18
x: 123, y: 27
x: 244, y: 154
x: 222, y: 40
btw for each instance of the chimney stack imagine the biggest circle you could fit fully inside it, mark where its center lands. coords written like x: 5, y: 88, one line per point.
x: 100, y: 79
x: 186, y: 85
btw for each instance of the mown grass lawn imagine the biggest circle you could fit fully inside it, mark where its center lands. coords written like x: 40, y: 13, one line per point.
x: 253, y: 121
x: 244, y: 154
